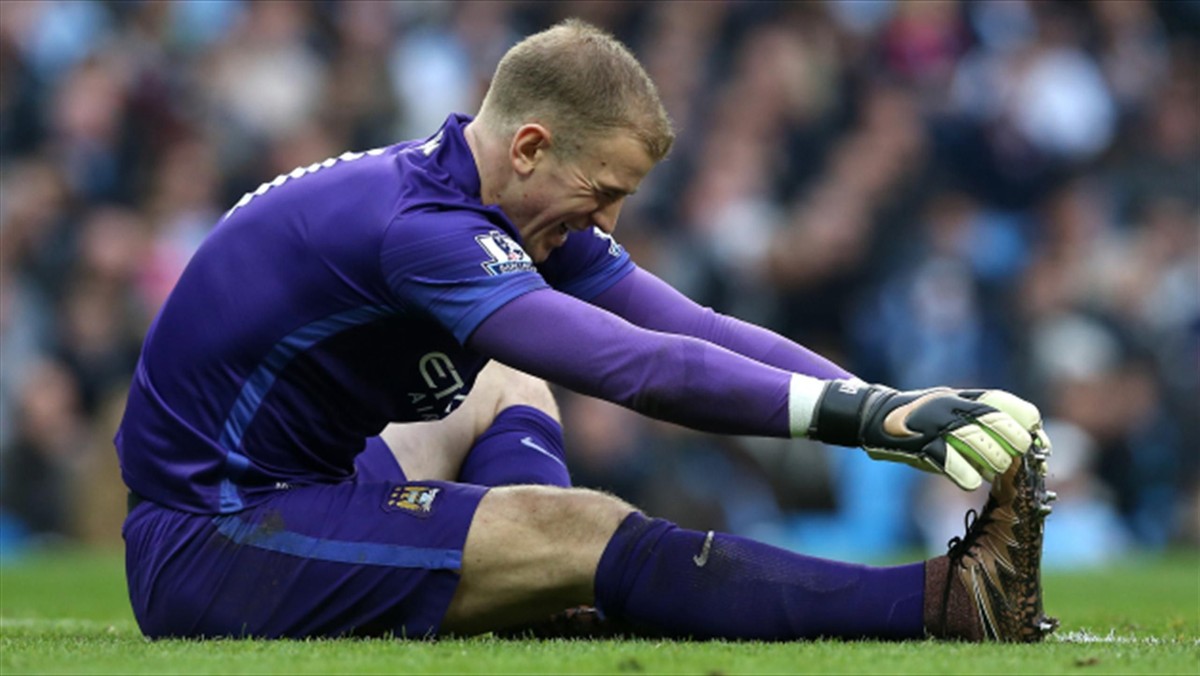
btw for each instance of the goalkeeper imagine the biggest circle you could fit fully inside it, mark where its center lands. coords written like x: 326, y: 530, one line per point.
x: 314, y: 447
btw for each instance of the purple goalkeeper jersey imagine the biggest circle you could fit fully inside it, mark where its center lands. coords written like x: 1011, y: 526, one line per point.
x: 324, y: 305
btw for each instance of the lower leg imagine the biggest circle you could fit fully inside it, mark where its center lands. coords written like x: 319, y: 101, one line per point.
x: 532, y: 551
x: 524, y: 445
x: 988, y: 586
x: 678, y: 582
x: 521, y: 438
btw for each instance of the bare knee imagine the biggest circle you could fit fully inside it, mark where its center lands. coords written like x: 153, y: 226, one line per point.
x: 435, y: 450
x: 531, y: 551
x: 499, y: 387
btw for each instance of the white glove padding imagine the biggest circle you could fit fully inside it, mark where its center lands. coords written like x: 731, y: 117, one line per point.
x: 968, y: 435
x: 1025, y: 413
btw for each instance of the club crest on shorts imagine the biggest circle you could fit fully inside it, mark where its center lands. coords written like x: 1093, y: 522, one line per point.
x: 415, y: 500
x: 504, y: 254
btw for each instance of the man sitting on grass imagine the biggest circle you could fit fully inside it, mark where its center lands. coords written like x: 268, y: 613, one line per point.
x: 304, y: 459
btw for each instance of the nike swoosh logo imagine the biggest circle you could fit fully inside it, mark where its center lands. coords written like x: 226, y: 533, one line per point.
x: 530, y: 443
x: 703, y: 557
x: 896, y: 421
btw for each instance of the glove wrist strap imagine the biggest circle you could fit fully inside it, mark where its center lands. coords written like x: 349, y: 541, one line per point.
x: 838, y: 418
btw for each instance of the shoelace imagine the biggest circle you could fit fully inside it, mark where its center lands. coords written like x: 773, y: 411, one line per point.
x: 974, y: 526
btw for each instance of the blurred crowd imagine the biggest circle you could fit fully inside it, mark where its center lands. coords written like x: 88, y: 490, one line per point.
x: 989, y: 193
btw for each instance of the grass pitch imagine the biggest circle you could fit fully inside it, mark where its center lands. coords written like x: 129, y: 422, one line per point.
x: 66, y: 612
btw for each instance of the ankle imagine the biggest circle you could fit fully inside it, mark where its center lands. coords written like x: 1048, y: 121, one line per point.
x: 948, y: 611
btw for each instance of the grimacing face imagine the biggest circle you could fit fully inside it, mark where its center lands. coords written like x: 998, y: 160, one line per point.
x: 560, y: 195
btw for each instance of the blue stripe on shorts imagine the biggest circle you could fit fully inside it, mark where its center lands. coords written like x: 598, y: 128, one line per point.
x: 307, y: 547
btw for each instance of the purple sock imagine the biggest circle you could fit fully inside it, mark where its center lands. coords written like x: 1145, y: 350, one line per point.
x: 684, y: 583
x: 523, y: 446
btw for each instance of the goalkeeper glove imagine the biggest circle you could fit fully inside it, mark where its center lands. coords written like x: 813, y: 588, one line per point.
x: 967, y: 435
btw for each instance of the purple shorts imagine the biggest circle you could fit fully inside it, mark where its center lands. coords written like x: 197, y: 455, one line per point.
x: 369, y: 557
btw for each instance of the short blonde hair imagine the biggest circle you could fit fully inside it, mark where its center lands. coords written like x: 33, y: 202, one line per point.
x: 581, y: 83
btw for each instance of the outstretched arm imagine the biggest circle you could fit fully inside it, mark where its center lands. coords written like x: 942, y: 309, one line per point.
x: 666, y: 376
x: 647, y: 301
x: 967, y: 436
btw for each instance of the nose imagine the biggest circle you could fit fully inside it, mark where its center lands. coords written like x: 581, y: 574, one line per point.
x: 606, y: 217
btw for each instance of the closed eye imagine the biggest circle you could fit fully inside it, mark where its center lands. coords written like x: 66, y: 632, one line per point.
x: 608, y: 194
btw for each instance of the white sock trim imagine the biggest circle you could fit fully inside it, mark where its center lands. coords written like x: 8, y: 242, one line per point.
x: 803, y: 393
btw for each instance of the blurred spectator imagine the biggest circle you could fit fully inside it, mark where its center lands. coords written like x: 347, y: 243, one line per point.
x: 266, y: 77
x: 998, y: 193
x: 49, y: 433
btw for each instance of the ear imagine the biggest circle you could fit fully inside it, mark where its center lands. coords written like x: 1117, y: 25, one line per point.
x: 529, y: 146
